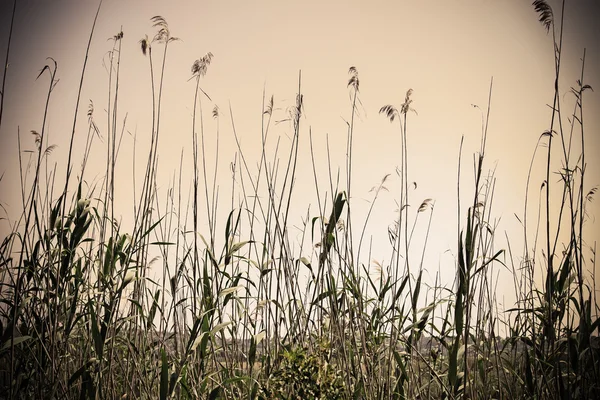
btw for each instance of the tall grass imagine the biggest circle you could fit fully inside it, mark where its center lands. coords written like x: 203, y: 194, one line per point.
x: 230, y: 316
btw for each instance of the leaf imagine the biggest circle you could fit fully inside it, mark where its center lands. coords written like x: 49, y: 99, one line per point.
x: 252, y: 351
x: 220, y: 327
x: 150, y: 229
x: 98, y: 342
x: 306, y: 262
x: 153, y: 308
x: 230, y: 290
x: 260, y: 336
x: 417, y: 290
x: 548, y: 133
x: 164, y: 376
x: 46, y: 67
x: 323, y: 295
x: 15, y: 342
x: 461, y: 352
x: 236, y: 246
x: 197, y: 341
x: 453, y: 366
x: 209, y: 252
x: 77, y: 374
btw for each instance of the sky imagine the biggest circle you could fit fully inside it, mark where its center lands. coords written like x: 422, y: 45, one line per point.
x: 447, y: 51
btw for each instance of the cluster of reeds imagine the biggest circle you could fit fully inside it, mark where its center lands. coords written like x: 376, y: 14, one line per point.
x: 231, y: 317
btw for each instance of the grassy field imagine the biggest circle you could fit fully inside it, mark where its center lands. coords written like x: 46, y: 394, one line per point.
x: 82, y: 316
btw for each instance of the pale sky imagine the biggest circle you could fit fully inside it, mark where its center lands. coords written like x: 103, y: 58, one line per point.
x: 446, y: 51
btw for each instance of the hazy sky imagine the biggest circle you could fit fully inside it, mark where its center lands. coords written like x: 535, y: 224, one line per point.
x: 446, y: 51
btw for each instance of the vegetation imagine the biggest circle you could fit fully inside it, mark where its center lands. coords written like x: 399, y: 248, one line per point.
x: 82, y: 317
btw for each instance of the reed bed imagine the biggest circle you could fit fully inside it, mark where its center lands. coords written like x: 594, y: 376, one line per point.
x: 229, y: 317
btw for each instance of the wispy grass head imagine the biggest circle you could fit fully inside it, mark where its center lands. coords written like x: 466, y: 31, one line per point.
x: 545, y: 13
x: 269, y: 108
x: 353, y: 81
x: 390, y: 111
x: 145, y: 44
x: 163, y: 34
x: 200, y: 66
x: 163, y: 28
x: 38, y: 138
x: 407, y: 102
